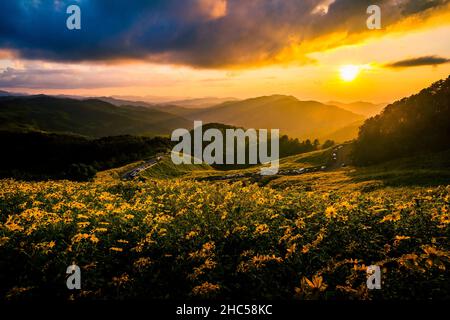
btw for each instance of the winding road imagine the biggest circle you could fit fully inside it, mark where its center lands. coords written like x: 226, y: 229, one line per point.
x: 335, y: 162
x: 147, y: 164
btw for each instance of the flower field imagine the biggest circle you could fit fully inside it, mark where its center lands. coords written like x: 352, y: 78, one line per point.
x: 184, y: 239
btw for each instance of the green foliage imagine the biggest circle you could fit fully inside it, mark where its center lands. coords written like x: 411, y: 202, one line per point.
x: 167, y: 169
x: 328, y: 144
x: 287, y: 146
x: 418, y: 124
x: 41, y: 156
x: 91, y: 118
x: 80, y: 172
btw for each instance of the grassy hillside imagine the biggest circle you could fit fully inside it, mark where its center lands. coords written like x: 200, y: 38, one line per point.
x: 92, y: 118
x: 167, y: 169
x: 116, y: 174
x: 428, y: 170
x: 417, y: 171
x: 301, y: 119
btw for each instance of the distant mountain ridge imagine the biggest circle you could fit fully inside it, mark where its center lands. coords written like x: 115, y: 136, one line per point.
x: 363, y: 108
x: 189, y: 103
x: 347, y: 133
x: 104, y: 116
x: 4, y: 93
x: 300, y: 119
x: 91, y: 117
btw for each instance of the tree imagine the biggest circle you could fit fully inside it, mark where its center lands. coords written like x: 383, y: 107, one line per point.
x: 327, y: 144
x: 417, y: 124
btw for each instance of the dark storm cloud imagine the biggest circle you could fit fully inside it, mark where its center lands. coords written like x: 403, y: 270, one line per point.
x: 420, y: 61
x: 202, y: 33
x: 415, y: 6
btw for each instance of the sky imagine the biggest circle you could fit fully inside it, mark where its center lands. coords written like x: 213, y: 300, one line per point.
x: 312, y: 49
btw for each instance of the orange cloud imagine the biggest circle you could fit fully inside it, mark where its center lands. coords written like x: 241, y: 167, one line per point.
x: 213, y: 9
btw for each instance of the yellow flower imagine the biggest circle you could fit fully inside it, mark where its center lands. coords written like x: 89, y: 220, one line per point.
x: 315, y: 283
x: 3, y: 240
x: 191, y: 235
x: 83, y: 224
x: 80, y: 236
x: 205, y: 289
x: 94, y: 239
x: 261, y: 229
x: 331, y: 212
x: 121, y: 280
x: 392, y: 217
x: 209, y: 246
x: 12, y: 225
x: 346, y: 205
x: 400, y: 238
x: 310, y: 289
x: 291, y: 250
x: 260, y: 261
x: 141, y: 263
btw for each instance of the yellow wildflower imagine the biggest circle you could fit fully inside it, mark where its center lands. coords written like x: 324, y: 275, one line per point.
x: 205, y: 289
x: 261, y: 229
x: 331, y: 212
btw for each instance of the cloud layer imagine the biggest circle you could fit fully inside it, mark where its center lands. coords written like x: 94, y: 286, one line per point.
x: 199, y: 33
x: 419, y: 61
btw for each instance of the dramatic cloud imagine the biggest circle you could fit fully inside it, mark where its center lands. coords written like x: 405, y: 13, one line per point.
x: 420, y: 61
x: 200, y: 33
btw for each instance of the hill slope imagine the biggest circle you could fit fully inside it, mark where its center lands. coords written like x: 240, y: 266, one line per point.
x: 302, y: 119
x: 93, y: 118
x: 344, y: 134
x: 366, y: 109
x: 413, y: 125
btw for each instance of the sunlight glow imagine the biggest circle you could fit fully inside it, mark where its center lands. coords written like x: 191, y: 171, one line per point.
x: 349, y: 72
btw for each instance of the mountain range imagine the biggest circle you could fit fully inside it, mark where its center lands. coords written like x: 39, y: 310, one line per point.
x: 106, y: 116
x: 300, y: 119
x: 91, y: 118
x: 366, y: 109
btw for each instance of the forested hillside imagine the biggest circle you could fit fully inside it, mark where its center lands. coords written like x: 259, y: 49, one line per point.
x: 91, y: 118
x: 41, y: 156
x: 413, y: 125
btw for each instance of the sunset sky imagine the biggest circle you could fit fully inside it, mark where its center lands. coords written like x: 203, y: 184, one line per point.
x: 312, y: 49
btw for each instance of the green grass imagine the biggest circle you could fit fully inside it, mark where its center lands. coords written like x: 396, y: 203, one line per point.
x: 167, y: 169
x: 423, y: 170
x: 116, y: 173
x: 309, y: 159
x: 419, y: 171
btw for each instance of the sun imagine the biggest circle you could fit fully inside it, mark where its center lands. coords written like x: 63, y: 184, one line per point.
x: 349, y: 72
